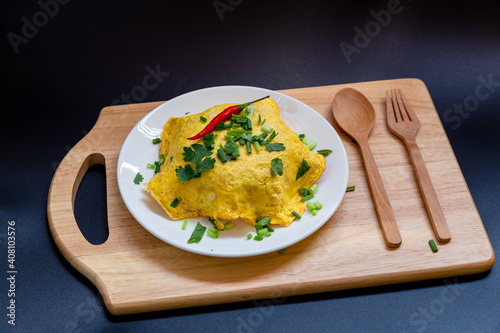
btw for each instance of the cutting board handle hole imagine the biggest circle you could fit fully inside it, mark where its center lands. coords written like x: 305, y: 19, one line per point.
x: 90, y: 206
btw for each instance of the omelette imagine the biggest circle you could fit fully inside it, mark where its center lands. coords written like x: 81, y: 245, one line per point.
x: 243, y: 187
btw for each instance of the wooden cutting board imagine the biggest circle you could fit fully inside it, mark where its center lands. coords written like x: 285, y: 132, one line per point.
x: 136, y: 272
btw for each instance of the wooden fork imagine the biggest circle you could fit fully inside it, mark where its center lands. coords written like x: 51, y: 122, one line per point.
x: 404, y: 123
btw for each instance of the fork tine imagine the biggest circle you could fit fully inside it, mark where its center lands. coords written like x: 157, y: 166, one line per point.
x: 401, y: 112
x: 405, y: 106
x: 391, y: 113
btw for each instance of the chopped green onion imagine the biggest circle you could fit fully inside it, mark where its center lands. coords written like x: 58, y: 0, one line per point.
x: 249, y: 124
x: 213, y: 232
x: 314, y: 189
x: 294, y: 213
x: 283, y: 250
x: 265, y: 221
x: 197, y: 234
x: 222, y: 155
x: 314, y: 212
x: 203, y: 119
x: 301, y: 136
x: 150, y: 166
x: 350, y: 188
x: 258, y: 238
x: 433, y: 246
x: 314, y: 206
x: 267, y: 129
x: 228, y: 226
x: 162, y: 159
x: 184, y: 224
x: 175, y: 202
x: 307, y: 197
x: 156, y: 140
x: 235, y: 132
x: 249, y: 236
x: 249, y: 147
x: 138, y: 178
x: 239, y: 119
x: 324, y: 152
x: 262, y: 232
x: 211, y: 220
x: 257, y: 145
x: 222, y: 126
x: 305, y: 140
x: 157, y: 167
x: 249, y: 111
x: 311, y: 145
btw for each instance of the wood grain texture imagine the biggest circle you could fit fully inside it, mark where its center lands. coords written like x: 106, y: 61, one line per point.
x: 404, y: 123
x: 136, y: 272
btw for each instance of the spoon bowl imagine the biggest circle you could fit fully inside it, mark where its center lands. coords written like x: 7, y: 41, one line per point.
x: 356, y: 116
x: 354, y: 113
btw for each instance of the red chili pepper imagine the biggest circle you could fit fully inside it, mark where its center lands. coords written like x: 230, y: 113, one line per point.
x: 223, y: 116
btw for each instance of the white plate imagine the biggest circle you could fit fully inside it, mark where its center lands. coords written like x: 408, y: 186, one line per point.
x: 137, y: 151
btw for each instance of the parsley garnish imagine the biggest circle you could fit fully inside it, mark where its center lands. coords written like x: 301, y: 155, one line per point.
x: 138, y: 178
x: 277, y: 166
x: 275, y: 146
x: 304, y: 167
x: 195, y: 154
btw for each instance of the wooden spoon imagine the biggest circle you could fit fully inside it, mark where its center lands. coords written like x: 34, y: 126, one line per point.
x: 356, y: 116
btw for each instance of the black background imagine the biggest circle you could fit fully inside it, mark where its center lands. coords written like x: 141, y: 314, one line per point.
x: 88, y: 55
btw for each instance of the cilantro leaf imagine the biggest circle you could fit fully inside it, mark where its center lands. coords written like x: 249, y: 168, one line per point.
x: 138, y: 178
x: 304, y: 167
x: 275, y: 146
x: 205, y: 164
x: 186, y: 173
x: 277, y: 166
x: 197, y: 154
x: 209, y: 140
x: 231, y: 149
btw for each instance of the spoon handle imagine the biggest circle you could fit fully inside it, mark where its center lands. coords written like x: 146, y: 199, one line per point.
x: 383, y: 207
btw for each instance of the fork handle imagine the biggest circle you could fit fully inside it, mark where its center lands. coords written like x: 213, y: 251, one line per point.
x: 383, y: 207
x: 431, y: 201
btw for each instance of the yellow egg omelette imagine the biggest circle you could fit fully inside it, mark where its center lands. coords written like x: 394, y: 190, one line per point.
x: 243, y: 187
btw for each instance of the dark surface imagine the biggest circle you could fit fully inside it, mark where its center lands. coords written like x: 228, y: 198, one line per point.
x: 91, y: 53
